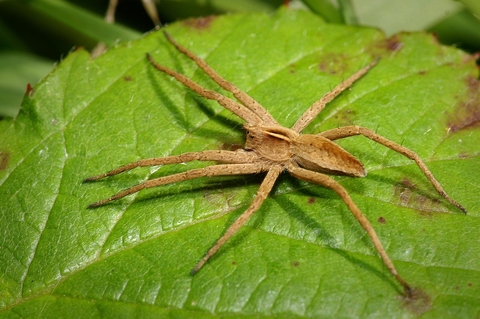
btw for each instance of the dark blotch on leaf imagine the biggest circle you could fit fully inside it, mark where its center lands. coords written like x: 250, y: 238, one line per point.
x: 29, y: 91
x: 333, y: 63
x: 311, y: 200
x: 418, y: 302
x: 393, y: 44
x: 409, y: 196
x: 467, y: 113
x: 345, y: 117
x: 127, y: 78
x: 4, y: 158
x: 292, y: 68
x: 381, y: 220
x: 199, y: 23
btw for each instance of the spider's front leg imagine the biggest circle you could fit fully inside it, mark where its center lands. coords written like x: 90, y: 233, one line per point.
x: 353, y: 130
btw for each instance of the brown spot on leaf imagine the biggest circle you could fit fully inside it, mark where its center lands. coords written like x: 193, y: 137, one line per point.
x: 199, y: 23
x: 409, y: 196
x: 4, y: 158
x: 127, y: 78
x: 311, y: 200
x: 381, y: 220
x: 292, y: 68
x: 345, y: 117
x: 467, y: 113
x: 386, y: 46
x: 393, y: 44
x: 418, y: 302
x: 296, y: 264
x: 333, y: 64
x: 30, y: 90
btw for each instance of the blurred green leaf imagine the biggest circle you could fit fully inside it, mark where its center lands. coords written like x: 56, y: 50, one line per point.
x: 460, y: 29
x: 89, y: 24
x: 325, y: 9
x: 18, y: 69
x: 473, y: 6
x: 302, y: 254
x: 172, y: 10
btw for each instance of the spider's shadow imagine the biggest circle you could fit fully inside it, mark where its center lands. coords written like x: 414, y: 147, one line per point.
x: 424, y: 197
x: 299, y: 213
x: 158, y: 77
x: 223, y: 183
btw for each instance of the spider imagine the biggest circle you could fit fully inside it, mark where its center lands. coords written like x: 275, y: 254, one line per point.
x: 272, y: 149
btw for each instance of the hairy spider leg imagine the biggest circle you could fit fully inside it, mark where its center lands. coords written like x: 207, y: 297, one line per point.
x: 236, y: 108
x: 243, y: 97
x: 216, y: 170
x: 312, y: 112
x: 230, y: 157
x: 353, y: 130
x: 261, y: 195
x: 329, y: 182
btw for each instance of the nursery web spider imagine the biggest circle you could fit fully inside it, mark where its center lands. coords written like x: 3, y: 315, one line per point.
x: 272, y: 149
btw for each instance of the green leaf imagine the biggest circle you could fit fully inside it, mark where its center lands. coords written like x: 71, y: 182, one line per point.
x: 302, y: 254
x: 474, y: 6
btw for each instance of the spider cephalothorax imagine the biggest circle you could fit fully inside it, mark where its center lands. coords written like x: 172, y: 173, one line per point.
x: 272, y: 149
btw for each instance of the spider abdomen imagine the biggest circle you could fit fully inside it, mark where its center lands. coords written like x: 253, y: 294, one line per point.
x: 319, y: 154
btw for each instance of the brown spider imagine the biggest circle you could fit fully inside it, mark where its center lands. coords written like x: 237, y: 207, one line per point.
x: 273, y: 149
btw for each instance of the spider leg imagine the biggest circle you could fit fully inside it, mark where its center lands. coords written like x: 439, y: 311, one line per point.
x: 231, y: 157
x: 231, y: 105
x: 262, y: 193
x: 215, y: 170
x: 329, y: 182
x: 318, y: 106
x: 353, y: 130
x: 243, y: 97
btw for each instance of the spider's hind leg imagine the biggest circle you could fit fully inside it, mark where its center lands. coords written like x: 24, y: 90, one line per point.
x: 327, y: 181
x: 353, y: 130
